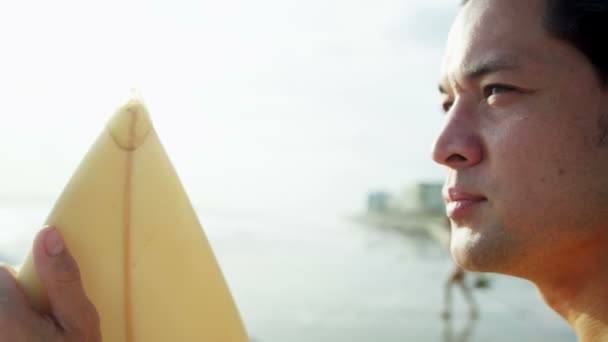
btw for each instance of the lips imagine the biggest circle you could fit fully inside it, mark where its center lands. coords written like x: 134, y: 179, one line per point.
x: 460, y: 204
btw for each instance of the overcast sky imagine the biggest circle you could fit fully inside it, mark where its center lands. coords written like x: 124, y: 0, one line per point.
x: 298, y: 105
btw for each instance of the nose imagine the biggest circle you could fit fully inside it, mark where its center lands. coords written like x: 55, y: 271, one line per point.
x: 458, y: 145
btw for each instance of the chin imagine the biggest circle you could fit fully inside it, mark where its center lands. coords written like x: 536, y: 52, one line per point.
x: 478, y: 252
x: 466, y: 260
x: 469, y: 263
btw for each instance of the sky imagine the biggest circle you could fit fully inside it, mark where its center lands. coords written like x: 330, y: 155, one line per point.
x: 263, y: 105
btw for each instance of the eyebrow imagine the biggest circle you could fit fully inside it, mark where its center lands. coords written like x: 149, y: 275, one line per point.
x: 483, y: 68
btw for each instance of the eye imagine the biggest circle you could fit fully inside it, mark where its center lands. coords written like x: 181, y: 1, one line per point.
x: 496, y: 89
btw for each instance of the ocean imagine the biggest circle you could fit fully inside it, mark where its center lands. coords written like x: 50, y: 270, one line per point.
x: 324, y: 278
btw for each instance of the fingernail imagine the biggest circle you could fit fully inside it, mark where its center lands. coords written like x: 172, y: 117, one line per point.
x: 53, y: 243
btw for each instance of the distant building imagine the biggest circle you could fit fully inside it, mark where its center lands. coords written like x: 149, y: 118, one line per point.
x: 429, y: 197
x: 378, y: 201
x: 419, y: 198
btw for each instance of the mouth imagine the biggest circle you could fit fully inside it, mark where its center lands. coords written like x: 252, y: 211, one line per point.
x: 461, y: 204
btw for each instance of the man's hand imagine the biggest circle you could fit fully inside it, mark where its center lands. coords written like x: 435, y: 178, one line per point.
x: 73, y: 317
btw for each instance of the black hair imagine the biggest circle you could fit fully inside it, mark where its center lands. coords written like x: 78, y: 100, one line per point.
x: 584, y: 25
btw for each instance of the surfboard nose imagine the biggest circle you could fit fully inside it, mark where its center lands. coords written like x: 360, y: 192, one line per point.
x: 131, y: 124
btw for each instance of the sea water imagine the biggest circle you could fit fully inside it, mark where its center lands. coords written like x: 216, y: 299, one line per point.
x: 324, y: 278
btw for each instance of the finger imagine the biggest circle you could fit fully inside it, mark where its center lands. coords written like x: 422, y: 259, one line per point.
x: 60, y: 275
x: 11, y: 296
x: 13, y: 306
x: 9, y: 269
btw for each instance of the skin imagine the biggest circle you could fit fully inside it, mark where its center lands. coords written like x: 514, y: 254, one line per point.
x: 525, y: 133
x: 73, y: 317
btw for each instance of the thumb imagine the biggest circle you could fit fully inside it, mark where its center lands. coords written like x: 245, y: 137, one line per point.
x: 60, y: 275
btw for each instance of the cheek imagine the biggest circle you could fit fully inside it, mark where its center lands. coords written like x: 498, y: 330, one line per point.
x: 543, y: 176
x: 522, y: 148
x: 526, y: 161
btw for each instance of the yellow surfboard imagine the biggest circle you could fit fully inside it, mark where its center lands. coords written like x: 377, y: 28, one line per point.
x: 144, y: 258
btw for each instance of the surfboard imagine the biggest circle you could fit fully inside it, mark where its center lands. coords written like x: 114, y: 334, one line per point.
x: 145, y: 261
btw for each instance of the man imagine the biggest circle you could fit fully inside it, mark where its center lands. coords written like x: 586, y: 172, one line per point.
x: 526, y: 146
x: 525, y: 142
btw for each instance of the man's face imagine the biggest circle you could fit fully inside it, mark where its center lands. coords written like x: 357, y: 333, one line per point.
x: 523, y: 141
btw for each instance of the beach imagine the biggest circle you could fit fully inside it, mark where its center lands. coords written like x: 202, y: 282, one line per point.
x: 325, y: 278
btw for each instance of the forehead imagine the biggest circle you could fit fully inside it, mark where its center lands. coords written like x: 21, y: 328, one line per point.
x: 502, y: 32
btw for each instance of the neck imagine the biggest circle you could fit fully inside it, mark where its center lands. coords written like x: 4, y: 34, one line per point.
x: 577, y: 289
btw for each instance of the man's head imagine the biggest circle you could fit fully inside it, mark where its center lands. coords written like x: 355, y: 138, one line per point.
x: 525, y: 137
x: 583, y: 24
